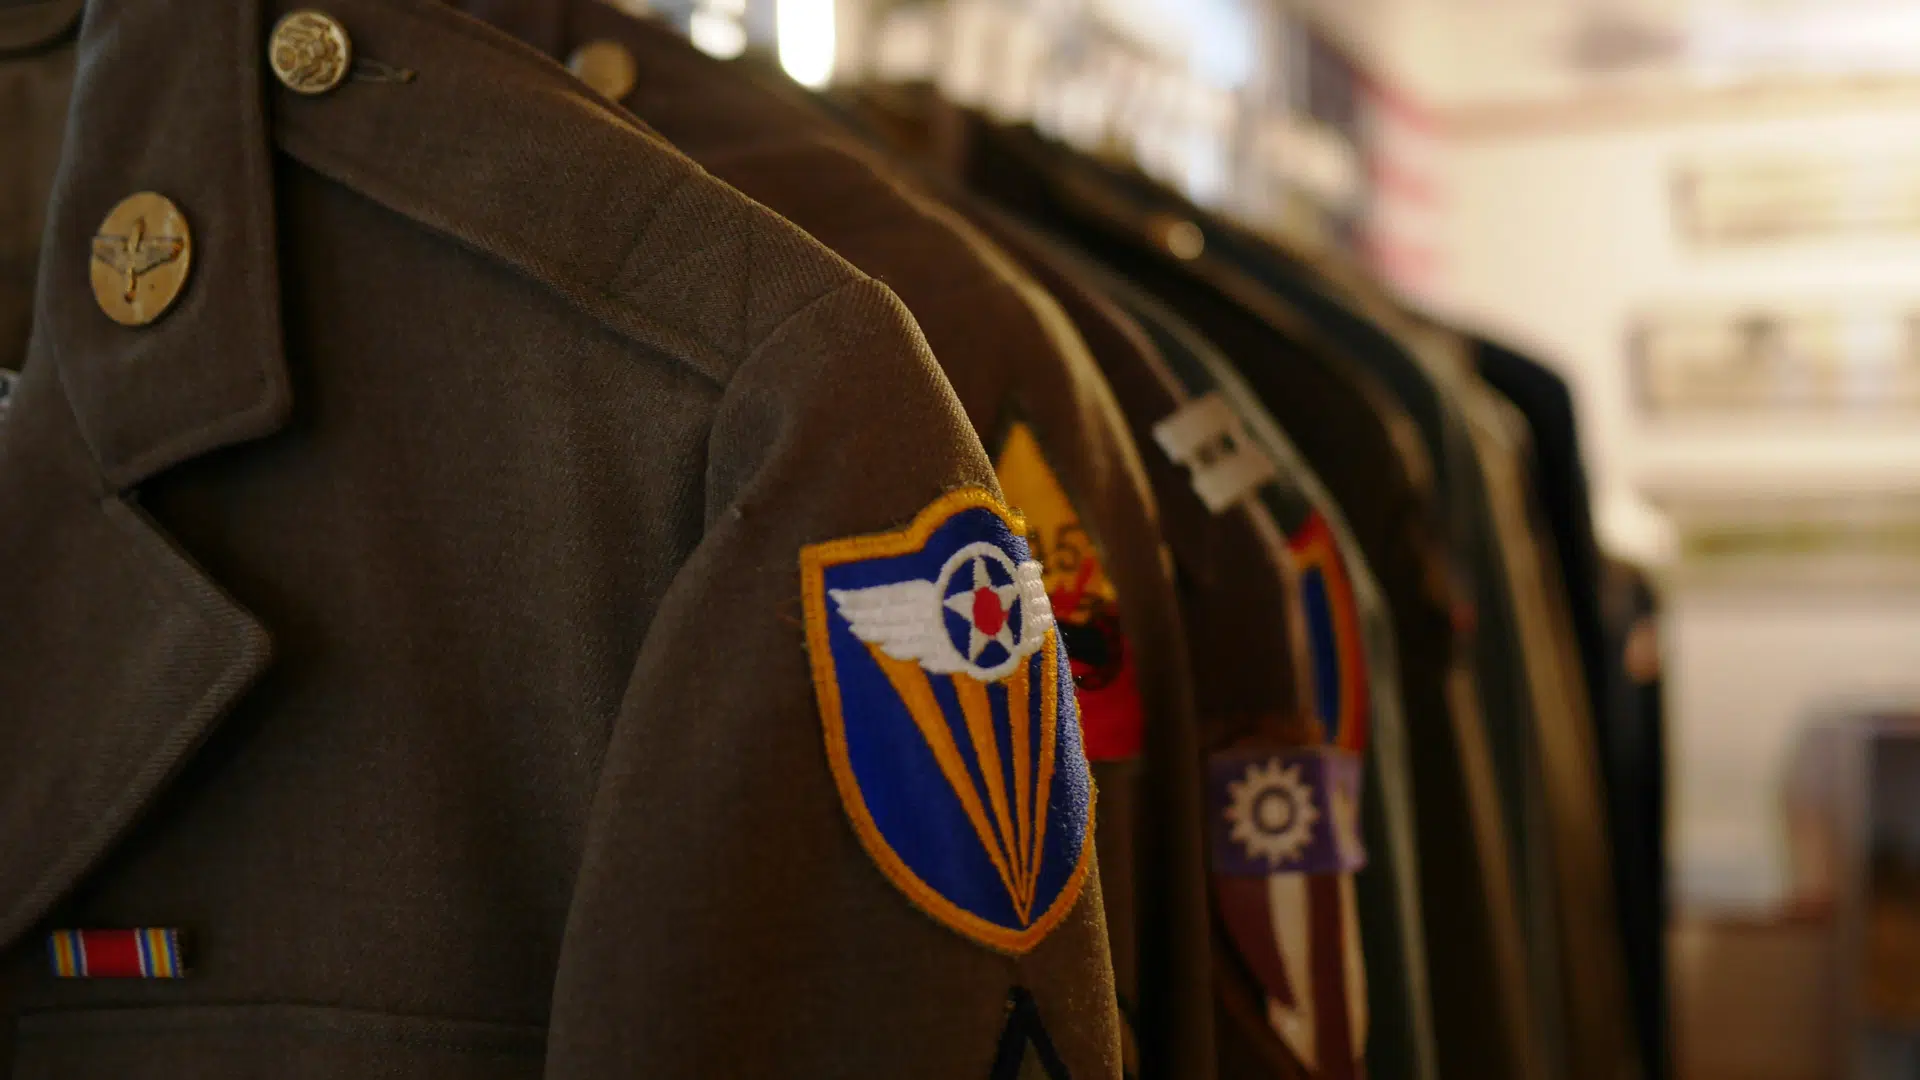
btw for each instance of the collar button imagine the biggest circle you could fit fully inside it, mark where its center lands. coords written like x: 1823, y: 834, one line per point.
x: 310, y: 52
x: 606, y: 66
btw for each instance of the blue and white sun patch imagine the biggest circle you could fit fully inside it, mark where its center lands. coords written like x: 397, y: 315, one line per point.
x: 949, y: 716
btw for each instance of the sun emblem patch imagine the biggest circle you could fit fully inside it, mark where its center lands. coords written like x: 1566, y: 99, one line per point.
x: 949, y: 718
x: 1286, y: 842
x: 1271, y: 813
x: 1285, y: 811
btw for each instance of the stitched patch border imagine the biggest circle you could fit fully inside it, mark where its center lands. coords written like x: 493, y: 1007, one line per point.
x: 1005, y: 825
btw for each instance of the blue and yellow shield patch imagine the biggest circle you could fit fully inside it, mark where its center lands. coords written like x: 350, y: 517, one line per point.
x: 949, y: 714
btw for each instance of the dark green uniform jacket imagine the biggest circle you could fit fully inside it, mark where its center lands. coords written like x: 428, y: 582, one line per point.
x: 1028, y: 385
x: 414, y: 613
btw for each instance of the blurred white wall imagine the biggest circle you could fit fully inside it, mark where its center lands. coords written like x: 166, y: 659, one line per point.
x: 1558, y: 228
x: 1748, y: 670
x: 1558, y: 236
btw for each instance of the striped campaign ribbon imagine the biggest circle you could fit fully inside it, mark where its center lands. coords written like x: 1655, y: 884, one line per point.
x: 148, y: 952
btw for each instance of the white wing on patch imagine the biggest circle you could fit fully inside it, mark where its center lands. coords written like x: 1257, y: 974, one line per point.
x: 1039, y: 608
x: 903, y: 620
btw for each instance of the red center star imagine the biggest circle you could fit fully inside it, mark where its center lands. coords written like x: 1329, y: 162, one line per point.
x: 985, y: 607
x: 988, y: 615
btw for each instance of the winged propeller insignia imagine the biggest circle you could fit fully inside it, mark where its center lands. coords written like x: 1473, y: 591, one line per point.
x: 136, y: 253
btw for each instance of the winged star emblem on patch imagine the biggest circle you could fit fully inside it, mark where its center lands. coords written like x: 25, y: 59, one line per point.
x: 949, y: 717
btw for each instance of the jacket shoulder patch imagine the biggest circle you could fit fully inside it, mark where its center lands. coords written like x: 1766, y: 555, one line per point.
x: 1285, y: 840
x: 1333, y: 635
x: 949, y: 718
x: 1085, y: 601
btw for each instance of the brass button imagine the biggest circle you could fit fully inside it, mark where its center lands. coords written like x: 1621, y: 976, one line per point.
x: 1181, y: 238
x: 309, y: 51
x: 606, y: 66
x: 140, y: 259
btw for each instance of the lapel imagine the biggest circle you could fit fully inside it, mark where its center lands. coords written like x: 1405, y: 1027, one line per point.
x: 117, y: 654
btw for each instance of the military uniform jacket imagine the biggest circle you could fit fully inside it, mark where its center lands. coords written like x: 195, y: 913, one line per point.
x: 1356, y: 696
x: 1572, y: 812
x: 1028, y: 385
x: 35, y: 81
x: 1240, y: 591
x: 413, y: 613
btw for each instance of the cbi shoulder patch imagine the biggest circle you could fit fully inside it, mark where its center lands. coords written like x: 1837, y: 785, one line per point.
x: 1285, y: 840
x: 1333, y: 635
x: 1294, y: 811
x: 949, y: 718
x: 1085, y: 601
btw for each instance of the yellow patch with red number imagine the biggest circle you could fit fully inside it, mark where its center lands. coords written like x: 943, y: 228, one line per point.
x: 1085, y: 602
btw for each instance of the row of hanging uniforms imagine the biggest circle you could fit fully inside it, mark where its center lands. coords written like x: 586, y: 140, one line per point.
x: 1429, y: 485
x: 1337, y: 678
x: 1452, y: 621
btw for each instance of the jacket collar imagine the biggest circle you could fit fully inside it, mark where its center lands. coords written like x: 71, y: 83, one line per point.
x: 167, y: 98
x: 117, y: 654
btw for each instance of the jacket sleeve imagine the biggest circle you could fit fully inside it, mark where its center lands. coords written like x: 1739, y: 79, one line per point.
x: 727, y: 920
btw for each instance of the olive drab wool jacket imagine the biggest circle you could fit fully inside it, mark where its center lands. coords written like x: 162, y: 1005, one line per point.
x: 442, y: 528
x: 1060, y: 444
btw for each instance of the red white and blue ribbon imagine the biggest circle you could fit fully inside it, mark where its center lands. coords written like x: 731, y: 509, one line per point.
x: 148, y: 952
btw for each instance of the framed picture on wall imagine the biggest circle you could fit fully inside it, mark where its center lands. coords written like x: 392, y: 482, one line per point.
x: 1775, y: 362
x: 1759, y: 199
x: 1865, y: 538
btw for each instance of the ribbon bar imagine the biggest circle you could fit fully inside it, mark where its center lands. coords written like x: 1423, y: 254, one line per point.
x: 143, y: 953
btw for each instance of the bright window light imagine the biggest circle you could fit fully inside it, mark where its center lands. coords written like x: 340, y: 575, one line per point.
x: 805, y: 29
x: 717, y: 35
x: 1869, y: 38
